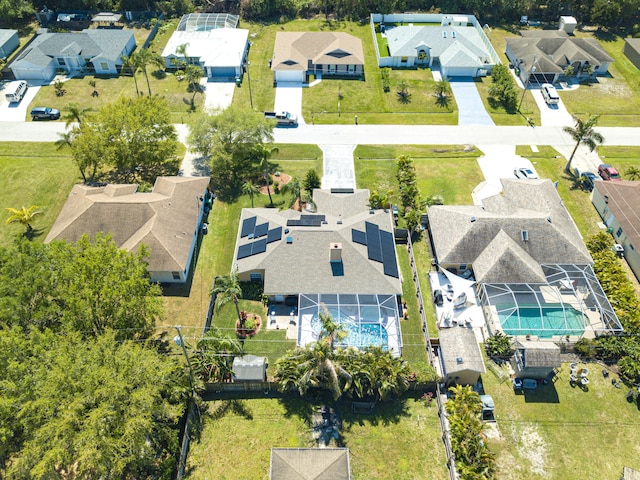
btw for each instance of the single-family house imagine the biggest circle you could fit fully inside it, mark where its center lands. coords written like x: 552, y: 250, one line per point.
x: 542, y: 56
x: 532, y: 270
x: 168, y: 221
x: 340, y: 259
x: 9, y: 41
x: 309, y: 463
x: 96, y: 51
x: 454, y: 44
x: 535, y: 359
x: 296, y: 55
x: 213, y: 42
x: 618, y: 205
x: 631, y: 50
x: 460, y: 356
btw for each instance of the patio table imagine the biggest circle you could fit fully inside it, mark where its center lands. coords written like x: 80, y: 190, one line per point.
x: 530, y: 383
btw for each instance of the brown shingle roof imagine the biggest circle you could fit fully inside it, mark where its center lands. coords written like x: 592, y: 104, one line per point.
x: 294, y: 50
x: 165, y: 220
x: 624, y: 204
x: 539, y: 354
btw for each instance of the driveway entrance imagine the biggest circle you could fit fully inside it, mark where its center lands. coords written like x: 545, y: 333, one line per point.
x: 471, y: 110
x: 289, y: 99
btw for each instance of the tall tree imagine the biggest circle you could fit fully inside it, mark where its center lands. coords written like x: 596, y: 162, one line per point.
x: 213, y: 359
x: 228, y: 290
x: 23, y: 216
x: 294, y: 188
x: 249, y: 188
x: 96, y: 408
x: 583, y: 133
x: 311, y: 181
x: 266, y: 152
x: 11, y: 10
x: 74, y: 115
x: 128, y: 61
x: 144, y: 58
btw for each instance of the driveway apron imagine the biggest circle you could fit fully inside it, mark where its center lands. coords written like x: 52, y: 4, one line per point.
x: 289, y: 99
x: 339, y: 171
x: 17, y: 112
x: 471, y: 110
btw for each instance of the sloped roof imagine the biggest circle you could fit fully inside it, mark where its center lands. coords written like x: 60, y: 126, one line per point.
x: 6, y: 35
x: 469, y: 234
x: 310, y: 464
x: 220, y: 47
x: 624, y: 204
x: 539, y: 354
x: 555, y: 49
x: 165, y: 220
x: 294, y: 50
x: 460, y: 351
x: 90, y: 43
x: 304, y: 264
x: 405, y: 41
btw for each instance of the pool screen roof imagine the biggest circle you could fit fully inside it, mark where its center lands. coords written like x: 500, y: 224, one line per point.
x: 573, y: 291
x: 203, y: 22
x: 356, y: 309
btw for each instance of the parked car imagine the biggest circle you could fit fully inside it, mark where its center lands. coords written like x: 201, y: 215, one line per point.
x: 525, y: 173
x: 588, y: 179
x: 549, y: 93
x: 438, y: 299
x: 607, y: 172
x: 44, y: 113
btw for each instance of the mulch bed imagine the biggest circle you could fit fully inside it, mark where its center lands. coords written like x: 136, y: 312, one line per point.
x: 283, y: 179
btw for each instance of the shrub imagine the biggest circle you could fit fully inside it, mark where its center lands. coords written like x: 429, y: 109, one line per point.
x: 586, y: 348
x: 629, y: 369
x: 499, y: 346
x: 386, y: 81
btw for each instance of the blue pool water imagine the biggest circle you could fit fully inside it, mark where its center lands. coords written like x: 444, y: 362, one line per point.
x: 551, y: 323
x: 359, y: 335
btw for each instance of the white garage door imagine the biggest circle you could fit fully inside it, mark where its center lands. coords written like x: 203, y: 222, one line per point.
x: 460, y: 72
x: 289, y: 76
x: 32, y: 75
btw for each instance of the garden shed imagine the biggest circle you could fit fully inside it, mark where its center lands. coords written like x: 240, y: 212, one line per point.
x: 535, y: 358
x: 250, y: 368
x: 460, y: 356
x: 9, y: 41
x: 632, y: 50
x: 309, y: 463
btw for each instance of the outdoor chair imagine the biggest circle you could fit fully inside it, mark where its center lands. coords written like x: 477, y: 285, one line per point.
x: 517, y: 383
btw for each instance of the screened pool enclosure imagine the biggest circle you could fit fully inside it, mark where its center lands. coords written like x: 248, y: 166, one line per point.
x: 367, y: 320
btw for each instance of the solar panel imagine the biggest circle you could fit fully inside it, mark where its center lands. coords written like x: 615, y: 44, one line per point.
x: 260, y: 230
x: 389, y: 263
x: 358, y: 237
x: 374, y: 251
x: 244, y: 251
x: 259, y: 246
x: 293, y: 223
x: 274, y: 234
x: 248, y: 225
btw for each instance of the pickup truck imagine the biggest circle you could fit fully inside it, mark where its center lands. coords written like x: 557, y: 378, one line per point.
x: 284, y: 119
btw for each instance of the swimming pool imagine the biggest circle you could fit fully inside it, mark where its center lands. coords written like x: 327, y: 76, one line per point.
x: 545, y: 322
x: 359, y: 334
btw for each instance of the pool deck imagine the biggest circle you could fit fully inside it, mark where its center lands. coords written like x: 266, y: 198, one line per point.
x: 279, y: 318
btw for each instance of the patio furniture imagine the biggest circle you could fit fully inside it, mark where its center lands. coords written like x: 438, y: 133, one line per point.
x: 573, y: 378
x: 584, y: 381
x: 517, y: 383
x: 529, y: 384
x: 583, y: 372
x: 574, y: 367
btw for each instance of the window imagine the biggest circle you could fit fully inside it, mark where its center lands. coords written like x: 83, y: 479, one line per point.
x: 176, y: 275
x: 61, y: 61
x: 351, y: 68
x: 104, y: 65
x: 255, y: 276
x: 525, y: 236
x: 404, y: 59
x: 619, y: 232
x: 332, y: 69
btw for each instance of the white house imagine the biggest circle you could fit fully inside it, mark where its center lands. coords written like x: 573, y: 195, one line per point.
x: 92, y: 51
x: 9, y: 41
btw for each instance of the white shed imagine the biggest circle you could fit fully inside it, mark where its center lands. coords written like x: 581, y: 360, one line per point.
x: 567, y: 24
x: 250, y: 368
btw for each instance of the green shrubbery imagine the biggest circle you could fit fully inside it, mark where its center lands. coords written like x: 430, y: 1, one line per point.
x: 502, y: 91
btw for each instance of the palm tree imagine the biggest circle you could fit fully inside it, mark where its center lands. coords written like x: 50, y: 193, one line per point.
x: 265, y: 154
x: 228, y: 290
x: 442, y: 88
x: 249, y: 188
x: 182, y: 50
x: 74, y: 115
x: 295, y: 189
x: 129, y: 62
x: 583, y: 133
x: 143, y: 59
x: 330, y: 330
x: 380, y: 200
x: 24, y: 216
x: 213, y: 359
x: 633, y: 173
x: 65, y: 141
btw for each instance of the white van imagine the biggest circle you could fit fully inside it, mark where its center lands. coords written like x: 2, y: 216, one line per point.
x: 550, y: 94
x: 14, y: 91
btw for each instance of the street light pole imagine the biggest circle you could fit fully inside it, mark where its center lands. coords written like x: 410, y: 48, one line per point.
x: 531, y: 72
x: 249, y: 78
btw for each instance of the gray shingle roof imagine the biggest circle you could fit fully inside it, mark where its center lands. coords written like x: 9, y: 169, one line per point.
x: 304, y: 266
x: 470, y: 234
x: 539, y: 354
x: 164, y: 219
x: 6, y: 34
x: 310, y: 464
x: 460, y: 343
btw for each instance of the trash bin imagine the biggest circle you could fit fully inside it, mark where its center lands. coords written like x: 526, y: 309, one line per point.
x: 238, y: 81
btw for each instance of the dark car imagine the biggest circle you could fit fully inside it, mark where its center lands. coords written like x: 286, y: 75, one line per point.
x: 44, y: 113
x: 437, y: 298
x: 607, y: 172
x: 588, y: 179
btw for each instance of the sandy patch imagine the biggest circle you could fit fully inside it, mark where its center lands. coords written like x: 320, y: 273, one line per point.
x: 532, y: 448
x: 609, y: 86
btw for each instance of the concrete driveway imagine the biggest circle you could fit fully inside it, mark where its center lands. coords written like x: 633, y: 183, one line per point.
x: 17, y: 112
x: 339, y: 171
x: 289, y: 99
x: 499, y: 161
x: 471, y: 110
x: 552, y: 115
x: 217, y: 95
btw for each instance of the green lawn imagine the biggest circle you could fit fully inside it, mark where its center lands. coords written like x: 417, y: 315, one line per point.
x: 561, y: 432
x: 400, y: 441
x: 36, y: 174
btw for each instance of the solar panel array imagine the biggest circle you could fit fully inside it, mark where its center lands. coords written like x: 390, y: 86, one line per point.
x: 248, y: 226
x: 251, y: 230
x: 380, y: 247
x: 306, y: 221
x: 259, y: 246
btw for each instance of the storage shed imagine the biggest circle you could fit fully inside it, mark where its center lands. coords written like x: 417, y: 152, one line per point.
x: 250, y: 368
x: 460, y: 356
x: 567, y: 24
x: 632, y: 50
x: 8, y: 42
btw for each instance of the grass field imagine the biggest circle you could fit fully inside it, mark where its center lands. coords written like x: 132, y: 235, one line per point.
x: 562, y: 432
x: 401, y: 440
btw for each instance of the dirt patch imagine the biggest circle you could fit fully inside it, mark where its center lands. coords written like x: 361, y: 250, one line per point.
x: 609, y: 86
x: 532, y: 447
x: 283, y: 179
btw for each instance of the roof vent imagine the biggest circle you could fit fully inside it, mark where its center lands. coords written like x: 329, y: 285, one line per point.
x: 549, y: 220
x: 525, y: 236
x: 289, y: 240
x: 444, y: 34
x: 286, y: 230
x: 459, y: 360
x: 340, y: 219
x: 453, y: 34
x: 473, y: 219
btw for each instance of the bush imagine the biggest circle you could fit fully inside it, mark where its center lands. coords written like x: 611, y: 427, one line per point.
x: 586, y: 348
x: 629, y: 369
x: 499, y: 346
x: 386, y: 81
x: 252, y: 290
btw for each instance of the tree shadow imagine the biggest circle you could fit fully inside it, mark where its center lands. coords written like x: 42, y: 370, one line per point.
x: 404, y: 97
x: 443, y: 101
x: 238, y: 407
x: 33, y: 233
x: 605, y: 35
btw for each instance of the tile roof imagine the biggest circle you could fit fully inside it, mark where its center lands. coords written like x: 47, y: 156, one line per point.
x: 624, y: 204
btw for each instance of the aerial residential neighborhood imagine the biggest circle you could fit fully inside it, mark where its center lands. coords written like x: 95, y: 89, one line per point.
x: 250, y: 241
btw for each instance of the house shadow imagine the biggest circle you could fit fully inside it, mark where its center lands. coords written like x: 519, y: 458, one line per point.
x: 184, y: 289
x: 543, y: 394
